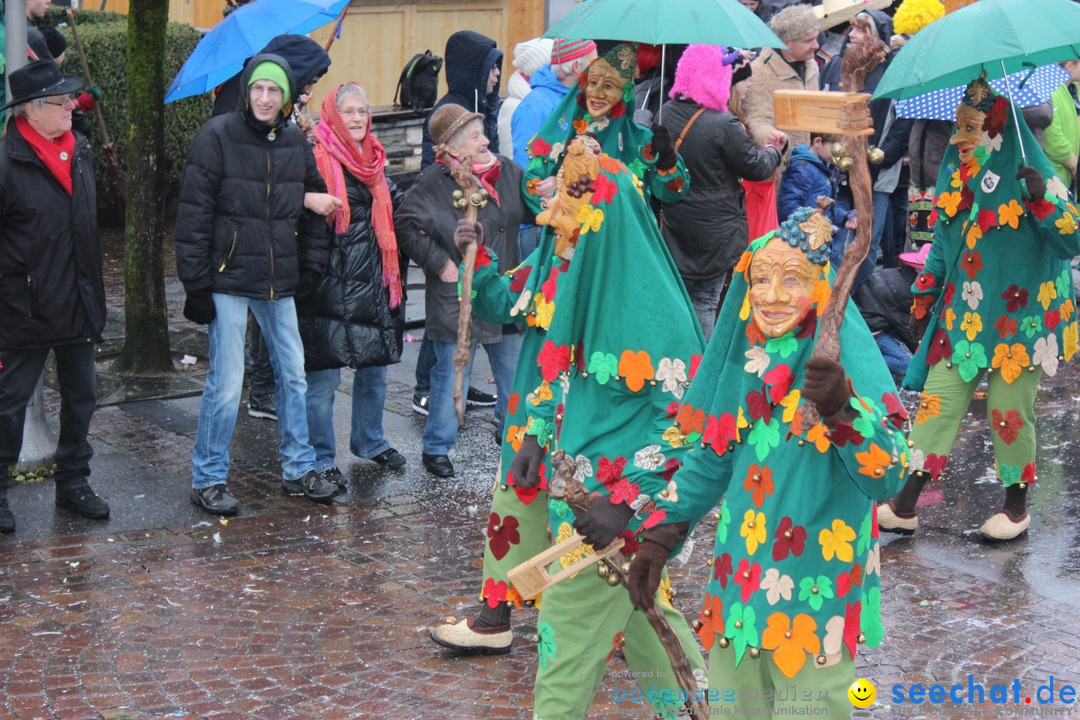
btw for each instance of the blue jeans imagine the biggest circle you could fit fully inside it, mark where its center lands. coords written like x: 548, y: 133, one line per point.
x: 897, y: 356
x: 366, y: 431
x: 221, y: 396
x: 425, y: 361
x: 440, y: 432
x: 528, y: 239
x: 705, y: 296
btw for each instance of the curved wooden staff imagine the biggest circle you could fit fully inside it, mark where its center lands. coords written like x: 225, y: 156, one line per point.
x: 470, y: 198
x: 859, y: 61
x: 565, y: 486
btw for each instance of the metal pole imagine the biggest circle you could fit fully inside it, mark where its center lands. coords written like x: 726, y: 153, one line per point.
x: 15, y: 36
x: 1016, y: 121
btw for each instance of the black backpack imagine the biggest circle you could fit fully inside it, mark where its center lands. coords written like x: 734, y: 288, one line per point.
x: 418, y: 87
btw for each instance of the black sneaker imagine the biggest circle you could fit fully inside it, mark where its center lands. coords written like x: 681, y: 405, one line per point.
x: 420, y: 404
x: 311, y: 486
x: 333, y: 475
x: 390, y: 459
x: 78, y: 496
x: 262, y: 407
x: 7, y: 519
x: 215, y: 499
x: 480, y: 399
x: 438, y: 465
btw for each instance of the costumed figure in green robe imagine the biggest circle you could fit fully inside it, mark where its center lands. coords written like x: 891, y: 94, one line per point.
x: 794, y: 587
x: 602, y: 106
x: 995, y: 299
x: 610, y: 344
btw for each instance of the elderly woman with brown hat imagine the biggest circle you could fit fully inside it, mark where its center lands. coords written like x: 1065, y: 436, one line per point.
x: 426, y: 223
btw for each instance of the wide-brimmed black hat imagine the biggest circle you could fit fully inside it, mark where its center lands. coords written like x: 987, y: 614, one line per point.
x: 41, y: 78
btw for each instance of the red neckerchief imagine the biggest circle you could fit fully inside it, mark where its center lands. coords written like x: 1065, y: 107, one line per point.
x: 56, y: 154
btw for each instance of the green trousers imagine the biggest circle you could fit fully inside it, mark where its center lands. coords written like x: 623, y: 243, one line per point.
x: 758, y: 689
x: 1010, y: 410
x: 582, y: 622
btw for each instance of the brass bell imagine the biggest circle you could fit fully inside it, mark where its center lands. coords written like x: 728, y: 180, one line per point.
x: 624, y: 568
x: 841, y: 158
x: 875, y: 155
x: 457, y: 195
x: 602, y: 569
x: 613, y: 579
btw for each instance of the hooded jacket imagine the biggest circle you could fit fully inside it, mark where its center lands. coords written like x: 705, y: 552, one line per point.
x: 517, y: 87
x: 469, y: 59
x: 306, y: 57
x: 242, y: 228
x: 534, y: 109
x: 805, y: 179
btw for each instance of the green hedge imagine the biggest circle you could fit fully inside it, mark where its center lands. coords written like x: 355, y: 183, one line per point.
x: 104, y: 37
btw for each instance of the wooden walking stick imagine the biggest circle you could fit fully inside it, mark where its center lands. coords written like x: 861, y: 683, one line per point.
x: 525, y: 577
x: 116, y: 171
x: 470, y: 198
x: 848, y: 113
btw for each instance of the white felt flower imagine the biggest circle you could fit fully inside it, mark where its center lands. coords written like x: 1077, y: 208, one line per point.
x: 972, y: 294
x: 776, y: 586
x: 1045, y: 354
x: 673, y: 375
x: 649, y: 457
x: 757, y: 360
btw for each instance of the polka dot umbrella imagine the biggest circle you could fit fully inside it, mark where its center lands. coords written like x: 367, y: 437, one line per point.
x: 1027, y: 88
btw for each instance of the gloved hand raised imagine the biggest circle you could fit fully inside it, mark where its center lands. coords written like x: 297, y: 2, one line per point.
x: 663, y: 148
x: 604, y: 521
x: 826, y: 386
x: 525, y: 467
x: 1036, y: 185
x: 467, y: 233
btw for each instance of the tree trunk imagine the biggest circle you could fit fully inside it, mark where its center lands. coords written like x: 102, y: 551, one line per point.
x: 146, y: 325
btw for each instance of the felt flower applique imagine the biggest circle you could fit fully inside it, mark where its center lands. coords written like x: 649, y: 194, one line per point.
x: 971, y: 325
x: 1045, y: 354
x: 1006, y: 326
x: 776, y: 586
x: 836, y: 542
x: 514, y: 436
x: 691, y: 420
x: 722, y: 569
x: 624, y: 491
x: 553, y: 359
x: 720, y: 432
x: 1070, y: 340
x: 955, y: 180
x: 1056, y: 188
x: 790, y: 403
x: 868, y: 414
x: 1010, y: 214
x: 742, y: 629
x: 556, y: 151
x: 790, y: 641
x: 929, y: 407
x: 784, y: 345
x: 814, y: 591
x: 546, y: 647
x: 1031, y: 325
x: 502, y: 532
x: 1015, y: 297
x: 949, y: 201
x: 494, y: 592
x: 567, y: 559
x: 1066, y: 224
x: 764, y: 436
x: 818, y: 435
x: 847, y: 580
x: 873, y: 462
x: 636, y: 368
x: 609, y: 471
x: 538, y: 148
x: 790, y: 539
x: 582, y: 468
x: 935, y: 464
x: 916, y: 461
x: 1052, y: 319
x: 1007, y: 425
x: 757, y: 360
x: 1027, y: 475
x: 1062, y: 284
x: 754, y: 530
x: 974, y: 234
x: 778, y: 381
x: 590, y: 218
x: 603, y: 366
x: 1010, y: 360
x: 1040, y: 208
x: 673, y: 437
x: 1047, y: 293
x: 969, y: 358
x: 580, y: 125
x: 971, y: 262
x: 711, y: 620
x: 948, y: 318
x: 723, y: 522
x: 972, y: 294
x: 604, y: 190
x: 649, y: 457
x: 545, y: 311
x: 834, y: 635
x: 748, y: 578
x: 672, y: 374
x: 759, y: 483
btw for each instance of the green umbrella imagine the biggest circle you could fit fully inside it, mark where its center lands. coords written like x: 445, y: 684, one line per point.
x: 998, y: 36
x: 660, y: 22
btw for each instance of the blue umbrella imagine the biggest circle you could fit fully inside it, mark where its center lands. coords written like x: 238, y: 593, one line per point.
x: 1026, y: 87
x: 222, y: 51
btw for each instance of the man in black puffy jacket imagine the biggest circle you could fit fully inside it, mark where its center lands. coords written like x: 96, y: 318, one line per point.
x: 244, y: 241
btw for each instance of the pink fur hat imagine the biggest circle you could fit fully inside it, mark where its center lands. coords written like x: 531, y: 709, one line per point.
x: 703, y: 77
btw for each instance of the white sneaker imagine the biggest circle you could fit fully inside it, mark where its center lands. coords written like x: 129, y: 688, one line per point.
x: 463, y: 637
x: 889, y: 521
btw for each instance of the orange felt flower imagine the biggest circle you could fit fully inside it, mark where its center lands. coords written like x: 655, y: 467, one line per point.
x: 636, y: 367
x: 531, y: 186
x: 690, y: 420
x: 1010, y: 214
x: 790, y: 641
x: 512, y: 404
x: 949, y: 201
x: 921, y: 305
x: 580, y: 125
x: 744, y: 262
x: 514, y: 436
x: 1010, y: 360
x: 929, y: 406
x: 754, y: 334
x: 873, y: 461
x: 820, y: 295
x: 610, y: 165
x: 758, y: 483
x: 818, y: 436
x: 711, y: 620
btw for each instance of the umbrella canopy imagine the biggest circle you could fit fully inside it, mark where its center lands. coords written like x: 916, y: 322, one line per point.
x: 998, y: 36
x: 661, y: 22
x: 1027, y: 88
x: 222, y: 51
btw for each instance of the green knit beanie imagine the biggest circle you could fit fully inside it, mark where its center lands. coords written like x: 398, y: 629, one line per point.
x: 273, y: 72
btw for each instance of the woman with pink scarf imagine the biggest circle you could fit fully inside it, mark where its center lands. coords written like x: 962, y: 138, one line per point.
x: 354, y: 314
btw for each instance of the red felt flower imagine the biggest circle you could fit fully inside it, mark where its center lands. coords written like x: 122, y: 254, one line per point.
x: 996, y: 117
x: 935, y: 465
x: 843, y: 433
x: 873, y: 524
x: 695, y: 361
x: 655, y: 518
x: 495, y: 592
x: 603, y: 190
x: 758, y: 406
x: 624, y: 491
x: 790, y: 538
x: 967, y: 199
x: 1006, y: 326
x: 548, y: 287
x: 1039, y: 208
x: 851, y: 626
x: 519, y: 278
x: 502, y: 533
x: 894, y: 409
x: 987, y: 219
x: 931, y: 219
x: 971, y: 262
x: 950, y: 290
x: 553, y: 359
x: 610, y: 471
x: 925, y: 281
x: 1027, y: 475
x: 539, y: 147
x: 1015, y: 297
x: 483, y: 257
x: 630, y: 542
x: 722, y: 569
x: 526, y: 496
x: 719, y: 432
x: 748, y: 578
x: 670, y: 467
x: 673, y: 409
x: 618, y: 111
x: 778, y: 381
x: 1052, y: 319
x: 940, y: 348
x: 676, y: 184
x: 1007, y: 425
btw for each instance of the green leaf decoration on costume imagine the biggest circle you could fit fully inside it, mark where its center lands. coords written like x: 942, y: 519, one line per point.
x: 560, y: 508
x: 870, y: 618
x: 968, y: 357
x: 742, y: 624
x: 546, y: 647
x: 638, y: 167
x: 865, y: 531
x: 1031, y: 325
x: 868, y: 416
x: 666, y: 709
x: 603, y: 366
x: 1009, y: 474
x: 541, y: 428
x: 725, y: 520
x: 815, y: 591
x: 764, y: 437
x: 1064, y: 284
x: 785, y: 345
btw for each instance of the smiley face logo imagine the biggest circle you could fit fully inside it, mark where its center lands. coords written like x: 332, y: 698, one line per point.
x: 862, y: 693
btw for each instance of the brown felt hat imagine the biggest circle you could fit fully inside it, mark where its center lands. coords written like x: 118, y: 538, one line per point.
x: 447, y: 120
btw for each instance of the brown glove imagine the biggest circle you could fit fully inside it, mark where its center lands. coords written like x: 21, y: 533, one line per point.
x: 525, y: 467
x: 648, y: 563
x: 826, y: 386
x: 604, y: 521
x: 1036, y: 185
x: 664, y: 148
x: 467, y: 233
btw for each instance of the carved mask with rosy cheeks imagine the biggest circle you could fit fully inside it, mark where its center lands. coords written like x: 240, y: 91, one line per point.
x: 604, y: 89
x: 782, y: 283
x: 575, y: 190
x: 969, y: 131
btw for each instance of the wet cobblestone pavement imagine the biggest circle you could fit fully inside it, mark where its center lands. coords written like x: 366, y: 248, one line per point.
x: 296, y: 611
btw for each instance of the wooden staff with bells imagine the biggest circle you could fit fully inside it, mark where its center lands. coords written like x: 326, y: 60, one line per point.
x: 846, y: 113
x: 470, y: 197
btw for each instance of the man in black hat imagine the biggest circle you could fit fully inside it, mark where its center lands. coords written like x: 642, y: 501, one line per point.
x: 52, y: 295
